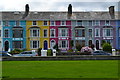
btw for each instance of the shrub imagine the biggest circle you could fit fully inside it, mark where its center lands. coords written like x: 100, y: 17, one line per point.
x: 78, y: 47
x: 70, y: 50
x: 103, y: 42
x: 49, y: 52
x: 16, y: 51
x: 39, y: 51
x: 107, y: 47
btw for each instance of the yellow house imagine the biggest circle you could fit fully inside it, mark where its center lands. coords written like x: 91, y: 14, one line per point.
x: 37, y: 35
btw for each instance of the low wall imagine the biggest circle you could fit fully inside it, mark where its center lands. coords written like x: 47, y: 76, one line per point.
x: 82, y: 57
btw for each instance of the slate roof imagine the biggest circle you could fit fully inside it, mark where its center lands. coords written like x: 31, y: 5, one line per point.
x: 33, y: 15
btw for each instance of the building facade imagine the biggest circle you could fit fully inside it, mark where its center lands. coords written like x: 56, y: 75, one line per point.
x: 46, y: 29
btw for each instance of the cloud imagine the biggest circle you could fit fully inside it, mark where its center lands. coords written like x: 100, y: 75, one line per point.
x: 55, y: 5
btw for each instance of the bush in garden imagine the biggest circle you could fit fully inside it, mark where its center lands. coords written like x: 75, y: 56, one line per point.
x: 107, y: 47
x: 49, y: 52
x: 78, y: 47
x: 70, y: 50
x: 16, y: 51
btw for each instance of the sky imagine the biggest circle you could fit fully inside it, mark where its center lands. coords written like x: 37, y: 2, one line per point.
x: 58, y: 5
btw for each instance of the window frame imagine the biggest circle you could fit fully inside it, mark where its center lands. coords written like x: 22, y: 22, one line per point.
x: 60, y: 32
x: 21, y: 44
x: 77, y: 35
x: 37, y: 32
x: 44, y: 33
x: 104, y: 34
x: 52, y: 22
x: 32, y: 44
x: 35, y: 23
x: 108, y: 23
x: 51, y: 33
x: 5, y: 33
x: 92, y: 32
x: 98, y: 32
x: 45, y: 22
x: 95, y: 23
x: 63, y: 23
x: 61, y: 45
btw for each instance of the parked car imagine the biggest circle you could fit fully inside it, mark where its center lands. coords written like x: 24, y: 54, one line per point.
x: 26, y: 54
x: 5, y: 54
x: 100, y: 53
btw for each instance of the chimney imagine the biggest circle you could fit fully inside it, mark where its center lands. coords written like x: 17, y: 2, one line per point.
x: 112, y: 12
x: 70, y: 9
x: 26, y: 11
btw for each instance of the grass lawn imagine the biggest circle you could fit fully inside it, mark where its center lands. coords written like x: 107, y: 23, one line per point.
x: 60, y: 69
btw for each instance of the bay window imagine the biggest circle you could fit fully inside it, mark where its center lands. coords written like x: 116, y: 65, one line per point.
x: 63, y: 44
x: 34, y: 44
x: 107, y: 32
x: 63, y: 32
x: 34, y: 33
x: 80, y: 33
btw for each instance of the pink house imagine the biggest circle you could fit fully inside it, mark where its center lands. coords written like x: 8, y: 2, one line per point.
x: 60, y: 33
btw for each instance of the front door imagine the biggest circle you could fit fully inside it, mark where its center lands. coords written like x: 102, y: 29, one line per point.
x: 45, y: 45
x: 97, y: 44
x: 6, y: 45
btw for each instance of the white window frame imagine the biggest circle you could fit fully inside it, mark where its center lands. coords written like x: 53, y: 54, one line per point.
x: 31, y: 44
x: 98, y: 32
x: 104, y: 33
x: 60, y: 43
x: 85, y: 23
x: 64, y: 23
x: 44, y: 23
x: 106, y: 22
x: 60, y: 32
x: 51, y: 33
x: 91, y: 23
x: 92, y: 32
x: 95, y: 22
x: 4, y: 33
x: 31, y: 33
x: 47, y: 33
x: 33, y: 24
x: 79, y: 29
x: 52, y: 24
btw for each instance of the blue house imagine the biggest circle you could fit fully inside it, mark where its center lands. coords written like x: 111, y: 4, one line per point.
x: 118, y: 34
x: 14, y: 34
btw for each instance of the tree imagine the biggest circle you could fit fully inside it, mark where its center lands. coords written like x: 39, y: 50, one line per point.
x: 107, y: 47
x: 103, y: 42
